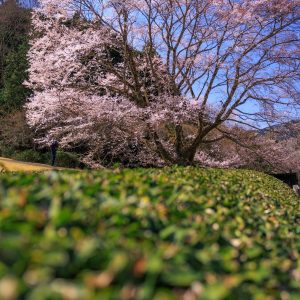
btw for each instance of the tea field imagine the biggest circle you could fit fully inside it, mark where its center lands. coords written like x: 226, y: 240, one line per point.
x: 162, y: 234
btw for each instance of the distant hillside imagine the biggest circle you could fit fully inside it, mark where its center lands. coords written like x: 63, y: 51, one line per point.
x: 284, y: 131
x: 286, y: 149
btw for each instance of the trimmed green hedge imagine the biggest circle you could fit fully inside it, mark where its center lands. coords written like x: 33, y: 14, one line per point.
x: 174, y: 233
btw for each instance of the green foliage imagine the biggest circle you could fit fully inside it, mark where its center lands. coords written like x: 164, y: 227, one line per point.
x: 28, y: 155
x: 63, y: 158
x: 15, y: 25
x: 149, y: 234
x: 68, y: 160
x: 6, y: 151
x: 31, y: 156
x: 14, y: 94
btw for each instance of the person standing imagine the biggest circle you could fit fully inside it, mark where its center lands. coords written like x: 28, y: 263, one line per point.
x: 53, y: 147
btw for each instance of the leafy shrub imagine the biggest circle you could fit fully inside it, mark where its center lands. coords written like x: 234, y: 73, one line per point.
x: 6, y: 151
x: 68, y: 160
x: 63, y: 159
x: 175, y: 233
x: 28, y: 155
x: 14, y: 131
x: 31, y: 156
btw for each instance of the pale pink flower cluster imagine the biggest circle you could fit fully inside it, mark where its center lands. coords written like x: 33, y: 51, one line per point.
x: 196, y: 64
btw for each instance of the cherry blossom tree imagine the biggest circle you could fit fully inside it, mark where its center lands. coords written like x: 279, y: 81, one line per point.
x: 168, y: 76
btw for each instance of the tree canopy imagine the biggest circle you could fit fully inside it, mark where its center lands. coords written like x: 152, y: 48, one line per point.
x: 188, y: 69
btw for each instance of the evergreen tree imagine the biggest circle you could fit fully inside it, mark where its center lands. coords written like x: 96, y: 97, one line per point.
x: 14, y: 31
x: 14, y: 94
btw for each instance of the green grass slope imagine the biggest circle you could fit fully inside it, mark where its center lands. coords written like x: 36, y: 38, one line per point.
x: 175, y: 233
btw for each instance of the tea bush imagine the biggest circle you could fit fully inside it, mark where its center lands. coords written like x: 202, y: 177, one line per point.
x: 173, y: 233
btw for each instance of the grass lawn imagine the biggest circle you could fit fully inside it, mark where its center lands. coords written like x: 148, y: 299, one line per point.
x: 162, y: 234
x: 14, y: 165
